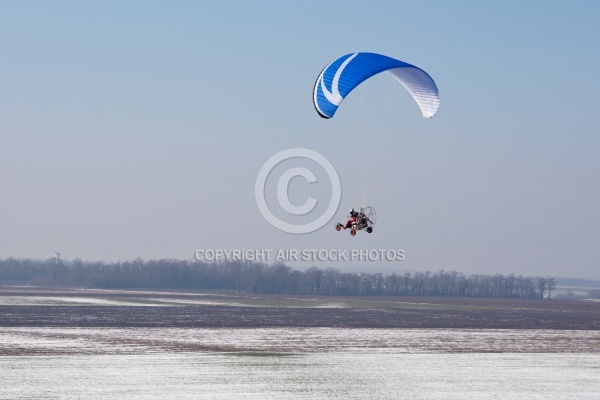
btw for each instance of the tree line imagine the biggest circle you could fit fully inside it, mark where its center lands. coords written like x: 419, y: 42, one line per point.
x: 254, y: 277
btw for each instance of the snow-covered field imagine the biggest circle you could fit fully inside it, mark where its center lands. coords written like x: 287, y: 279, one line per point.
x: 65, y: 344
x: 300, y: 363
x: 144, y: 341
x: 304, y: 376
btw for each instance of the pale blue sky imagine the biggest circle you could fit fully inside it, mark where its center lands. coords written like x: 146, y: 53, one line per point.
x: 138, y: 128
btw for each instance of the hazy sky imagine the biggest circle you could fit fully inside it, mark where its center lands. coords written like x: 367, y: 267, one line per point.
x: 138, y: 129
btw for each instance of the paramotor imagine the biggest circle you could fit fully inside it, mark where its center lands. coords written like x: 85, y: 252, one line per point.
x: 362, y: 220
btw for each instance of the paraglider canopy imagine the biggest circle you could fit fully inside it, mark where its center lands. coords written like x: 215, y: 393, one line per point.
x: 342, y: 75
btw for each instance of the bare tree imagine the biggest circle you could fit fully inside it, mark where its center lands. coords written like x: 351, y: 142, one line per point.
x: 542, y: 284
x: 551, y: 286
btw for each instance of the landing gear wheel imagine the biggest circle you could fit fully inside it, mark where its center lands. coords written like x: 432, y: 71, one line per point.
x: 352, y: 232
x: 369, y: 230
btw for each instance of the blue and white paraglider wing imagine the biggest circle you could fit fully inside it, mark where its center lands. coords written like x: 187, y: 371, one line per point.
x: 342, y: 75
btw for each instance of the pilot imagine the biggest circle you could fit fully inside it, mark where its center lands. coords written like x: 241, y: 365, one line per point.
x: 353, y: 215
